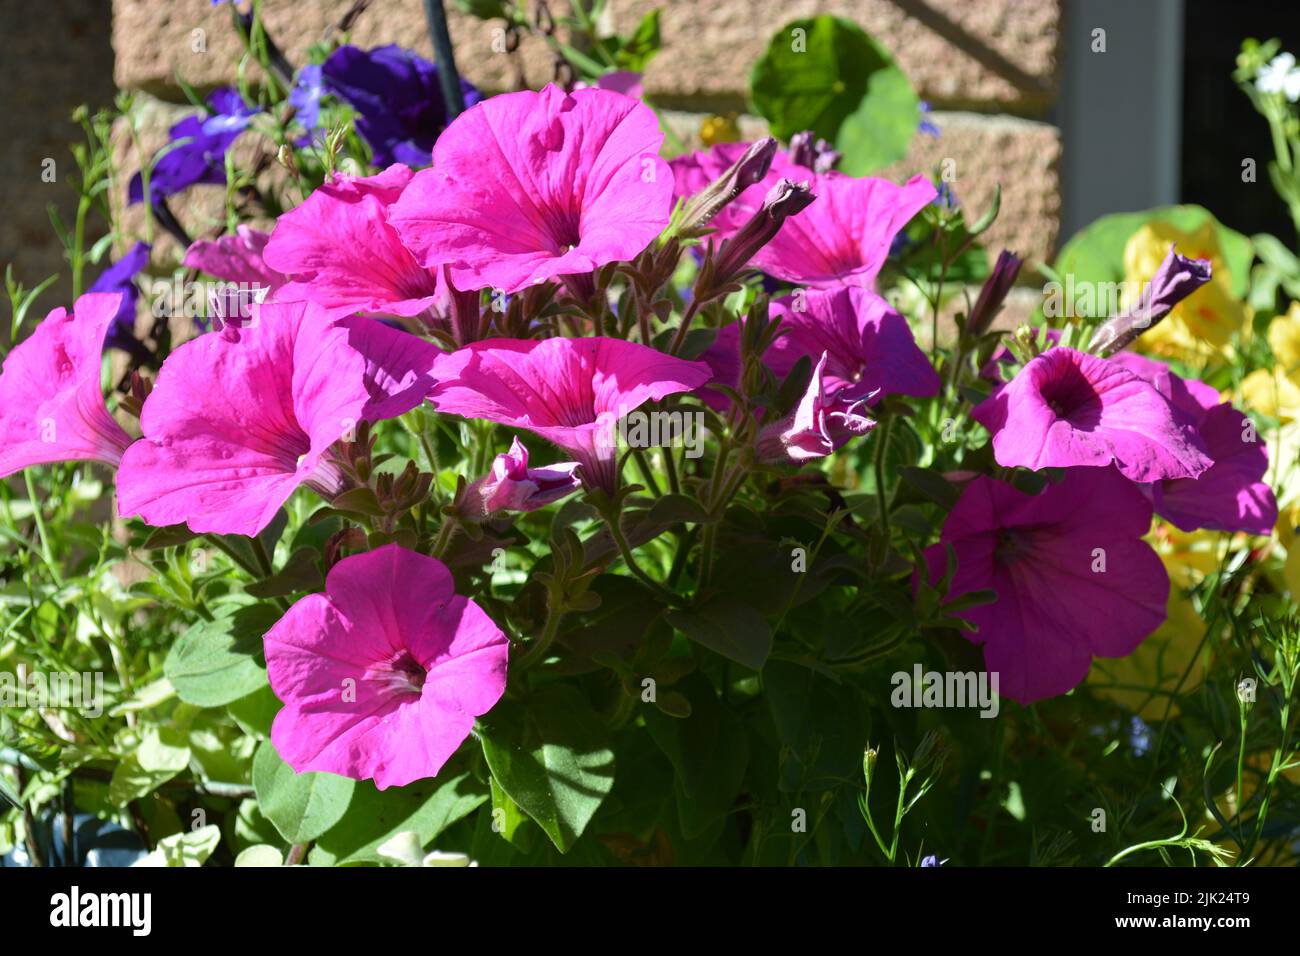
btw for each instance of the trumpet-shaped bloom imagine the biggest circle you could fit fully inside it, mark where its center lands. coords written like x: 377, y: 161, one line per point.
x: 240, y: 418
x: 528, y: 187
x: 342, y: 252
x: 1066, y: 408
x: 51, y: 402
x: 572, y: 392
x: 512, y: 486
x: 120, y: 278
x: 383, y: 674
x: 397, y: 98
x: 199, y: 153
x: 1073, y: 577
x: 844, y: 237
x: 1232, y: 494
x: 818, y: 425
x: 868, y: 346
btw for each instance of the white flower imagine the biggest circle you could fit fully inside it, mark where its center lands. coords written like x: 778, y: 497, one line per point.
x: 1280, y: 76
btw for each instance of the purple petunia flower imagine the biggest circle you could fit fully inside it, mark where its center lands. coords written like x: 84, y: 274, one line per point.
x: 197, y: 148
x: 120, y: 278
x: 396, y: 94
x: 306, y: 95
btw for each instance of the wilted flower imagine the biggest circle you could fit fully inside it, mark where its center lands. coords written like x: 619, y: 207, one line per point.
x: 512, y: 486
x: 819, y: 424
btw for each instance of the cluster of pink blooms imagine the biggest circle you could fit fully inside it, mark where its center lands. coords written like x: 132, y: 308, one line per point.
x: 383, y: 674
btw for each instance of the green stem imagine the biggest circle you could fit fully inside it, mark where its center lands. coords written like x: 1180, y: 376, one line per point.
x: 46, y: 553
x: 537, y: 652
x: 879, y: 467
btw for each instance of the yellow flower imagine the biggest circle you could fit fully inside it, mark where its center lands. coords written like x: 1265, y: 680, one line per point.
x: 1147, y: 677
x: 1143, y: 681
x: 1201, y: 325
x: 1284, y: 340
x: 1273, y: 393
x: 719, y: 129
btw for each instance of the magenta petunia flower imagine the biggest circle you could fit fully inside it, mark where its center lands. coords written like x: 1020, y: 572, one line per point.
x: 819, y: 424
x: 238, y: 419
x: 51, y: 401
x: 844, y: 237
x: 383, y: 674
x: 1229, y: 496
x: 237, y: 258
x: 342, y: 252
x: 1073, y: 577
x: 1066, y: 408
x: 572, y: 392
x: 528, y: 187
x: 868, y: 346
x: 511, y: 485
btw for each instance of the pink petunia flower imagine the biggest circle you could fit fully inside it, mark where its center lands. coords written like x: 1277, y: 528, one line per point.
x: 511, y: 485
x: 238, y: 258
x: 383, y: 674
x: 1073, y: 577
x: 572, y: 392
x: 819, y: 424
x: 1232, y: 494
x: 342, y: 252
x: 238, y: 419
x: 868, y: 346
x: 528, y: 187
x: 844, y: 237
x: 51, y: 401
x: 1066, y: 408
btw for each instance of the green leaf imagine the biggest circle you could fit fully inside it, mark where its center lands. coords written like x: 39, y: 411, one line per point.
x: 642, y: 46
x: 255, y: 712
x: 219, y: 661
x: 732, y: 629
x: 822, y: 725
x: 168, y: 537
x: 552, y: 758
x: 424, y: 807
x: 670, y: 509
x: 162, y: 754
x: 301, y: 805
x: 1096, y: 252
x: 709, y: 752
x: 188, y: 848
x: 931, y: 484
x: 827, y: 75
x: 300, y: 573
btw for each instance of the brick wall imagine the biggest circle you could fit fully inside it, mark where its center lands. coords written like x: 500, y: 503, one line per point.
x: 989, y: 68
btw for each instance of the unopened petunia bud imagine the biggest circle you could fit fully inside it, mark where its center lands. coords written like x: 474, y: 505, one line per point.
x: 749, y: 169
x: 1176, y: 279
x: 994, y: 293
x: 783, y: 200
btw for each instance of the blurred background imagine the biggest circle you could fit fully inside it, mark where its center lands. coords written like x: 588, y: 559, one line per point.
x: 1077, y: 108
